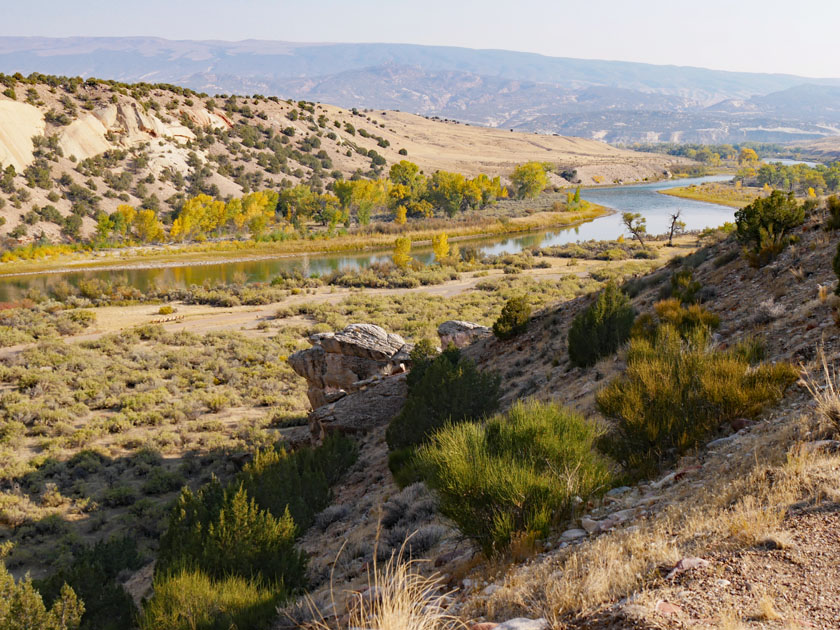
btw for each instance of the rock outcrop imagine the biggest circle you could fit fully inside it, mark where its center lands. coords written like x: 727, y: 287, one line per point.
x: 19, y: 122
x: 349, y: 360
x: 123, y: 123
x: 460, y: 333
x: 356, y: 378
x: 362, y: 410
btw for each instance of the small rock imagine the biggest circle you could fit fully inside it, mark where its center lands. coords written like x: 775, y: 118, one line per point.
x: 720, y: 441
x: 460, y: 333
x: 491, y: 589
x: 573, y: 534
x: 686, y: 564
x: 521, y: 623
x: 467, y: 583
x: 666, y: 609
x: 665, y: 481
x: 722, y: 583
x: 623, y: 515
x: 617, y: 492
x: 486, y: 625
x: 591, y: 526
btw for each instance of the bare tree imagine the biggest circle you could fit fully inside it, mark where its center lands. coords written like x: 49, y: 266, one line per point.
x: 636, y: 224
x: 677, y: 227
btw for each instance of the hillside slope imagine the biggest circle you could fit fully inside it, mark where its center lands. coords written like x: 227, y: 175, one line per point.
x: 89, y: 146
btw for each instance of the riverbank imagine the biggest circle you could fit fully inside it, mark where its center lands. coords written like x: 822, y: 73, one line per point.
x: 724, y: 195
x: 163, y: 256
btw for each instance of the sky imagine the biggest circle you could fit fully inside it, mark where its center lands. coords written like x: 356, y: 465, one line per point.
x: 744, y: 35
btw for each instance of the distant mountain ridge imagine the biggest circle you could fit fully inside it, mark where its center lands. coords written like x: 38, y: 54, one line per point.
x: 611, y: 100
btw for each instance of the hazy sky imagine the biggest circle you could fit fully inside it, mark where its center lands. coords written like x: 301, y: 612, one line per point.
x: 798, y: 37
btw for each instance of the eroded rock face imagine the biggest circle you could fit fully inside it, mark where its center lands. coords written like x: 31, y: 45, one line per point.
x: 349, y: 360
x: 460, y: 333
x: 360, y: 411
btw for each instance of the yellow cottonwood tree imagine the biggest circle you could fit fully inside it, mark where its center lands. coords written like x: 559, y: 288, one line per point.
x: 148, y: 227
x: 529, y: 179
x: 440, y: 245
x: 402, y: 252
x: 198, y: 217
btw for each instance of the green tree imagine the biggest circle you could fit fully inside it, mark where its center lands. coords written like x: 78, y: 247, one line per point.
x: 513, y: 320
x: 529, y: 180
x: 636, y: 224
x: 22, y: 608
x: 223, y: 532
x: 763, y: 226
x: 601, y: 328
x: 447, y: 389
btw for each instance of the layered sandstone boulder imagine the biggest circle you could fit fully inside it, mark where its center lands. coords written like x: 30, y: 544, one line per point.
x: 460, y: 333
x: 349, y: 360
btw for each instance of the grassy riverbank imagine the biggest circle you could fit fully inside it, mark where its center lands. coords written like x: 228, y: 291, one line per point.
x: 220, y: 251
x: 723, y: 194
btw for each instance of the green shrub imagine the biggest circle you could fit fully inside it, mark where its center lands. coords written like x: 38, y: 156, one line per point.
x: 675, y: 393
x: 515, y: 475
x: 166, y: 309
x: 448, y: 389
x: 601, y: 328
x: 684, y: 287
x: 513, y: 320
x: 191, y: 600
x: 249, y: 528
x: 21, y: 605
x: 222, y: 532
x: 299, y: 481
x: 93, y: 575
x: 832, y: 205
x: 762, y: 227
x: 690, y: 322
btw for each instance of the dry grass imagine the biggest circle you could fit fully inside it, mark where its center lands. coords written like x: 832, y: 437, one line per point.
x: 398, y: 597
x: 730, y: 620
x: 766, y: 609
x: 825, y: 390
x: 742, y: 505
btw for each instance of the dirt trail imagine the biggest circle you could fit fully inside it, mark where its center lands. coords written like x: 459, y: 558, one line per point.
x: 201, y: 318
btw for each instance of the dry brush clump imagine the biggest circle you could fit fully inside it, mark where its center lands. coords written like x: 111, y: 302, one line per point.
x: 824, y: 388
x: 399, y: 596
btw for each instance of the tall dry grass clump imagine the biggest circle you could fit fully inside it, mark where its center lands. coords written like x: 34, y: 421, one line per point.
x: 398, y: 597
x: 824, y: 388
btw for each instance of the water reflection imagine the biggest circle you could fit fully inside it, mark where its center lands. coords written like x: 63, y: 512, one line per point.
x: 644, y: 198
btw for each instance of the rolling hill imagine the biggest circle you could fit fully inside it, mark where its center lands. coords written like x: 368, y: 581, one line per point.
x: 85, y: 147
x: 609, y: 100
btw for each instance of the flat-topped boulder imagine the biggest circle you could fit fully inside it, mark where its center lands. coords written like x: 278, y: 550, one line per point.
x: 460, y: 333
x: 367, y: 341
x: 349, y: 360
